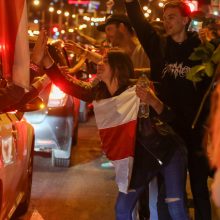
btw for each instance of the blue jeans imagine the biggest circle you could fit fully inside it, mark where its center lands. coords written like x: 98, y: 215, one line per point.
x: 153, y: 194
x: 174, y: 174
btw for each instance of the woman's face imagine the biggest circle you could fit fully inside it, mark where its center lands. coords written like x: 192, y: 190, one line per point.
x: 104, y: 71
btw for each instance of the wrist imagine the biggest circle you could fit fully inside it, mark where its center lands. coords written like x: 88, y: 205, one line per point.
x: 48, y: 62
x: 48, y: 65
x: 158, y: 106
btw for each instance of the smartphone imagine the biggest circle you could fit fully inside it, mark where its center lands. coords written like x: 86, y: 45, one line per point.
x: 196, y: 25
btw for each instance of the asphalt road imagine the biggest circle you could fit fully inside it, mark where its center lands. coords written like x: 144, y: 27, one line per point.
x: 85, y: 191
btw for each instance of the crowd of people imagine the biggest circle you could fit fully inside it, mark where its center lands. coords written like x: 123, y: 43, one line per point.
x: 160, y: 159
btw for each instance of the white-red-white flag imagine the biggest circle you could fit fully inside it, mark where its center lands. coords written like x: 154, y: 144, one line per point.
x: 116, y: 120
x: 14, y: 49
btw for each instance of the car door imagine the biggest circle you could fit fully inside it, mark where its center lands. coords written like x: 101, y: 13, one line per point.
x: 13, y: 154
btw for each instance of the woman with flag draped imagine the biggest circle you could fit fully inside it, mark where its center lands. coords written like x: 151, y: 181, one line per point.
x: 116, y: 102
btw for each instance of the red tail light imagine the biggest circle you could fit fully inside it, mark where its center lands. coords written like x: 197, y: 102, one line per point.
x: 57, y: 98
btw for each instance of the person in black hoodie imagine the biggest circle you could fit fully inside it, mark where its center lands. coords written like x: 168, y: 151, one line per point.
x: 169, y: 65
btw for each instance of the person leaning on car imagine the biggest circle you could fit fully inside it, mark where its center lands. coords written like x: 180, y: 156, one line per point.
x: 12, y: 96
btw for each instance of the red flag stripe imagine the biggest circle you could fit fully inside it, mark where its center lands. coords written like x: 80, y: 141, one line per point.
x: 10, y: 14
x: 118, y: 142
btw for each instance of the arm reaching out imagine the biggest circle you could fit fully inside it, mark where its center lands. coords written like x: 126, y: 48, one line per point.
x: 76, y: 48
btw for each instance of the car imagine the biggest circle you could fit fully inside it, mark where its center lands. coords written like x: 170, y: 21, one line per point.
x: 55, y: 125
x: 16, y: 162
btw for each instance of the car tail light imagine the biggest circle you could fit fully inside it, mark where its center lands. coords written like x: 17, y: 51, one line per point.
x: 57, y: 98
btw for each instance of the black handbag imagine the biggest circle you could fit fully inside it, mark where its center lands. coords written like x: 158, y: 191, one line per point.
x: 158, y: 139
x: 156, y: 143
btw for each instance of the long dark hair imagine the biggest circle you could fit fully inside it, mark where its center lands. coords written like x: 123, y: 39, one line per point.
x: 122, y: 68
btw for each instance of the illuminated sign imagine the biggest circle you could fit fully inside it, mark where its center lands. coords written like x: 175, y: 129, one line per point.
x: 193, y: 5
x: 79, y: 2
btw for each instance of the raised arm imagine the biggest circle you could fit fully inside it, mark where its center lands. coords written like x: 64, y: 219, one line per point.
x: 147, y: 35
x: 66, y: 82
x: 76, y: 48
x: 79, y: 89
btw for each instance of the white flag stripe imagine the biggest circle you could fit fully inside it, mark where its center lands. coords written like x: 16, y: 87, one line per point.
x: 117, y: 110
x: 22, y: 57
x: 123, y: 169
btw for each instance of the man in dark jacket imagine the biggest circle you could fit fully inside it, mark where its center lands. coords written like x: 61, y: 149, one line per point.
x: 170, y: 64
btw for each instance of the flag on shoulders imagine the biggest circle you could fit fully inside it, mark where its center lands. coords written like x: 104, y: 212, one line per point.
x: 14, y: 48
x: 116, y: 120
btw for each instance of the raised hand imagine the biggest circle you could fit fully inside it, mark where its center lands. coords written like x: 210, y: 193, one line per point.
x: 148, y: 96
x: 40, y: 47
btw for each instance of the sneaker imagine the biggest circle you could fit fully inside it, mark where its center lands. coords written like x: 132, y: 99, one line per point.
x: 107, y: 164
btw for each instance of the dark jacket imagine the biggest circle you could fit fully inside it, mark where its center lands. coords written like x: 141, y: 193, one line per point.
x: 169, y: 65
x: 12, y: 96
x: 9, y: 96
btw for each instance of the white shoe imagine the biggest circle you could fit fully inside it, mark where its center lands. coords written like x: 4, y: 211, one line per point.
x: 107, y: 164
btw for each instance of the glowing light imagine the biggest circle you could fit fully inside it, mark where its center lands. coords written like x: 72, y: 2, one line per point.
x: 66, y: 13
x: 36, y: 21
x: 55, y: 29
x: 86, y: 18
x: 215, y: 13
x: 70, y: 30
x: 42, y: 106
x: 195, y: 22
x: 193, y: 5
x: 51, y: 9
x: 146, y: 15
x: 62, y: 31
x: 157, y: 19
x: 29, y: 32
x: 161, y: 4
x: 148, y: 11
x: 82, y: 26
x: 59, y: 12
x: 73, y: 15
x: 57, y: 97
x: 36, y: 2
x: 145, y: 8
x: 36, y: 32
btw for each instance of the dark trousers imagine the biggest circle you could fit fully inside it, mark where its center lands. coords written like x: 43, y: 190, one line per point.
x: 199, y: 171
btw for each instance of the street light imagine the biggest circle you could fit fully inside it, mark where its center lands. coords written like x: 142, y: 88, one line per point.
x: 51, y: 10
x: 66, y: 14
x: 36, y: 2
x: 59, y: 12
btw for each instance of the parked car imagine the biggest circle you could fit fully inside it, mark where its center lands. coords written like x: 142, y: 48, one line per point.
x: 16, y: 162
x: 56, y: 125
